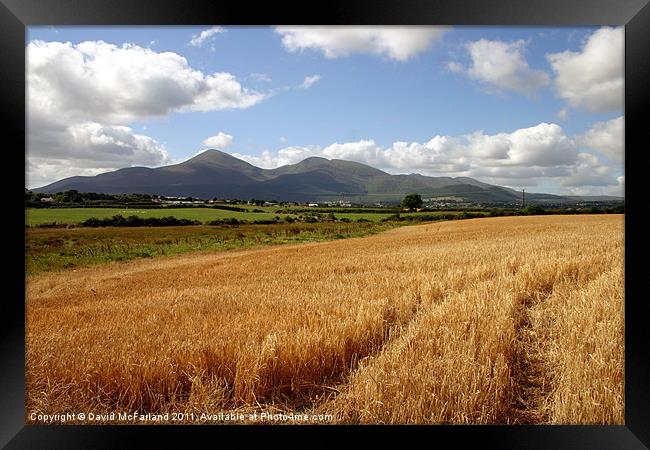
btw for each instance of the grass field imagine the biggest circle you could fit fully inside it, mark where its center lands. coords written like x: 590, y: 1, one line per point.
x: 64, y: 248
x: 39, y: 216
x: 499, y: 320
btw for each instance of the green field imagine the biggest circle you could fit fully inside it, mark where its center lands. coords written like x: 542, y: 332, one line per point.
x: 65, y: 248
x: 68, y: 247
x: 75, y: 215
x: 356, y: 216
x: 38, y: 216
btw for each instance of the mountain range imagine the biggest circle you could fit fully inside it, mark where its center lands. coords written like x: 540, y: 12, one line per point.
x: 215, y: 174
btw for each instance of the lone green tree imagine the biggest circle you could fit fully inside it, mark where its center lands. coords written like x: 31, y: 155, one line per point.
x: 412, y: 201
x: 533, y: 210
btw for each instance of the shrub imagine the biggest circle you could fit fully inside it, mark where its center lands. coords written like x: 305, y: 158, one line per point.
x: 228, y: 221
x: 393, y: 218
x: 469, y: 215
x: 49, y: 225
x: 533, y: 210
x: 135, y: 221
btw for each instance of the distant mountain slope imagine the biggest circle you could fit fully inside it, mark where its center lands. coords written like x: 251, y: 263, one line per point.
x: 217, y: 174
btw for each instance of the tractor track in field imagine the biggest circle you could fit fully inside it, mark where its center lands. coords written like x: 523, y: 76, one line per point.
x: 529, y: 373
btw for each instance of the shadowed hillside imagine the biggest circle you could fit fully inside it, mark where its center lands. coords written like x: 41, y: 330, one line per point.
x: 217, y: 174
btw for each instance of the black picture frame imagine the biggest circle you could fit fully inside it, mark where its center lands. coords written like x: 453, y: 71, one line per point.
x: 16, y: 15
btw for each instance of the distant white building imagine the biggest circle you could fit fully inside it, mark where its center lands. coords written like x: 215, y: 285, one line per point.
x: 313, y: 204
x: 338, y: 203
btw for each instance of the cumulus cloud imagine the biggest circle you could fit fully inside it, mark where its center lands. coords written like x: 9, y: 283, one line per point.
x: 593, y: 77
x: 540, y: 151
x: 220, y: 141
x: 309, y: 81
x: 590, y: 172
x: 544, y: 145
x: 88, y: 148
x: 199, y: 39
x: 106, y: 83
x: 42, y: 171
x: 501, y: 66
x: 523, y: 157
x: 607, y: 137
x: 398, y: 43
x: 284, y: 156
x: 81, y: 99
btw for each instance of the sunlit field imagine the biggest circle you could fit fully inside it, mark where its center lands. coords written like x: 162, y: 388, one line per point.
x: 49, y: 249
x: 40, y: 216
x: 505, y: 320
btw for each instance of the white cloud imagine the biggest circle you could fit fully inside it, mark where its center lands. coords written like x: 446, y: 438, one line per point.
x: 544, y: 145
x: 97, y: 81
x: 454, y: 67
x: 309, y: 81
x: 562, y: 114
x: 220, y: 141
x: 82, y: 98
x: 199, y: 39
x: 502, y: 65
x: 109, y: 146
x: 88, y: 148
x: 592, y: 78
x: 284, y: 156
x: 541, y: 151
x: 590, y: 172
x: 42, y: 171
x: 398, y: 43
x: 607, y: 137
x: 223, y: 91
x: 523, y: 157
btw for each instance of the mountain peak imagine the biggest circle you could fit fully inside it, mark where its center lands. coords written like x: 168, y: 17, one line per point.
x: 315, y: 158
x: 211, y: 154
x: 214, y: 157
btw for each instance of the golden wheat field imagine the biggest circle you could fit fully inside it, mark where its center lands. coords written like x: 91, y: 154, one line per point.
x: 486, y: 321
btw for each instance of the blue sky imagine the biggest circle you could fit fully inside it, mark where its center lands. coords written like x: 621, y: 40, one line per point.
x: 486, y: 102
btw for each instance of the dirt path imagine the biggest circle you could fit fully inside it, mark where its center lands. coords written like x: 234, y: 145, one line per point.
x: 529, y: 370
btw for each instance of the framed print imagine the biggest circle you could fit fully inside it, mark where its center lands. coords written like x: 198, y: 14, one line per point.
x: 370, y: 217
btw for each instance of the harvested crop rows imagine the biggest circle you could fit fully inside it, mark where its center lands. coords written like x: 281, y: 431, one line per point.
x: 499, y: 320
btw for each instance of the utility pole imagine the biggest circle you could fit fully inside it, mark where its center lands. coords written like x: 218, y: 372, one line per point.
x: 523, y: 198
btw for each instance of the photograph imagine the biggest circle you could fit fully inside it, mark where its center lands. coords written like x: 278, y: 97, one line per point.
x: 325, y: 225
